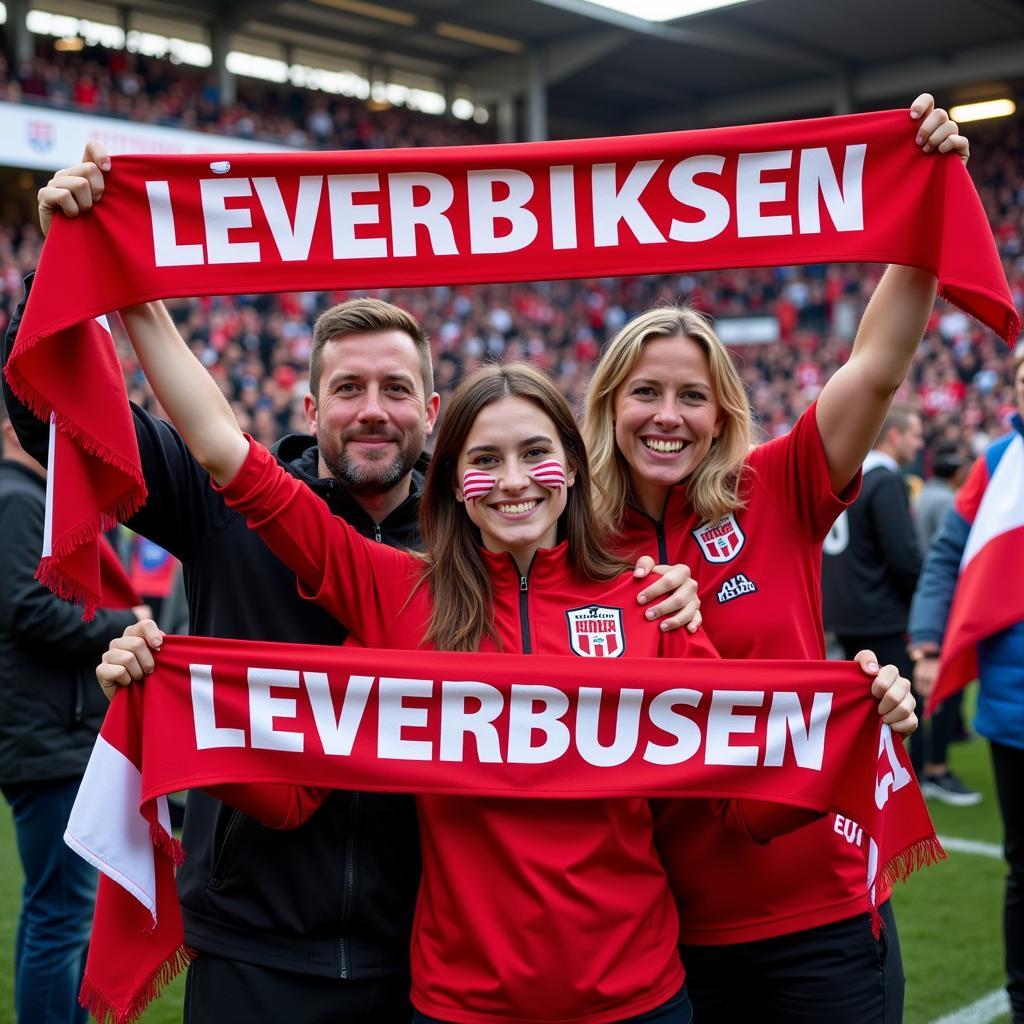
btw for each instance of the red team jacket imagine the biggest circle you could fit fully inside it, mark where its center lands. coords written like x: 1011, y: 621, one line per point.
x: 528, y: 911
x: 759, y: 571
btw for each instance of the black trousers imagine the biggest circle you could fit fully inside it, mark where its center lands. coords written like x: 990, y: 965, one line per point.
x: 221, y: 991
x: 1008, y: 763
x: 676, y: 1011
x: 891, y: 649
x: 836, y: 974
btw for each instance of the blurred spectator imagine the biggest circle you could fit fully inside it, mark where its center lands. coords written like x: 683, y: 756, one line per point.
x: 871, y: 557
x: 50, y: 715
x: 949, y: 467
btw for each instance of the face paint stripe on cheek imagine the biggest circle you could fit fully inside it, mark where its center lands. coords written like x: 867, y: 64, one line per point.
x: 476, y: 483
x: 549, y: 474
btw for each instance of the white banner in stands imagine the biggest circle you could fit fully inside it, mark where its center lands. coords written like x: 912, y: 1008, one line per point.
x: 44, y: 139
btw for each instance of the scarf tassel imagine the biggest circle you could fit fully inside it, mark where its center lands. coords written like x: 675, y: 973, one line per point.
x: 170, y: 847
x: 106, y: 1012
x: 922, y: 854
x: 49, y: 573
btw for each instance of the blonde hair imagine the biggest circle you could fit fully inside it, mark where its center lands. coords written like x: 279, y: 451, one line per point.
x: 714, y: 485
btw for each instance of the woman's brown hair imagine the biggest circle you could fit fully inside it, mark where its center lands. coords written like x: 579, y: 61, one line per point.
x: 456, y: 573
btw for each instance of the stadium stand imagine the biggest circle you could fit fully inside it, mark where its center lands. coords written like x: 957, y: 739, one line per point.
x: 257, y: 346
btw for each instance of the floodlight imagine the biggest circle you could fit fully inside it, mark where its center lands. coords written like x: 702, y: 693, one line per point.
x: 664, y: 10
x: 964, y: 113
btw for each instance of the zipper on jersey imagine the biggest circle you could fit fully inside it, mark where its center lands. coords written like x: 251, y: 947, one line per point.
x: 377, y: 535
x: 524, y: 606
x: 659, y: 530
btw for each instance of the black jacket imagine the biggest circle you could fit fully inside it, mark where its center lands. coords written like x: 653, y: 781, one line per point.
x: 51, y: 707
x: 335, y: 896
x: 872, y: 560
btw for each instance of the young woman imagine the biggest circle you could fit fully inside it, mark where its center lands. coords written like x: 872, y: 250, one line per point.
x: 668, y: 429
x: 528, y: 910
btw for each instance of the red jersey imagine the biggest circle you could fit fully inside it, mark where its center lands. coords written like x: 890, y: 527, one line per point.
x: 529, y: 911
x: 759, y: 571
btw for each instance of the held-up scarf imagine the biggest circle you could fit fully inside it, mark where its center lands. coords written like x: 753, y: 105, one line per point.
x: 220, y: 712
x: 853, y: 188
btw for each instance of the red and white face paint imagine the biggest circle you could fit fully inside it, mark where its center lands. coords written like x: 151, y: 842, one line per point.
x: 549, y: 474
x: 476, y: 483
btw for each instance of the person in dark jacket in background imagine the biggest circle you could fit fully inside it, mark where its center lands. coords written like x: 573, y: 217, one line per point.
x: 872, y: 558
x: 50, y: 714
x: 949, y: 468
x: 309, y: 926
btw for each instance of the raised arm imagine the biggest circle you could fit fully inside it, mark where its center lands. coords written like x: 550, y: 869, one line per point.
x: 854, y: 402
x: 189, y: 395
x: 185, y: 390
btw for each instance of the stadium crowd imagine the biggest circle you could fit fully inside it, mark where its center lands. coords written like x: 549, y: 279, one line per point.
x: 258, y: 346
x: 152, y: 91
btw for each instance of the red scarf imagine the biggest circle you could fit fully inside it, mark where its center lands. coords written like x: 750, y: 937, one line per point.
x: 842, y: 189
x: 117, y: 587
x: 799, y: 733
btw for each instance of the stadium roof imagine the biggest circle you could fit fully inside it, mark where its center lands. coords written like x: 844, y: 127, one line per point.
x: 608, y: 72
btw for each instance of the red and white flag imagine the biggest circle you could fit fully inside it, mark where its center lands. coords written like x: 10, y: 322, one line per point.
x: 130, y: 844
x: 983, y: 604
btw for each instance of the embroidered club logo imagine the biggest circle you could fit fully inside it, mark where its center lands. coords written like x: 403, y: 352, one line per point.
x: 721, y: 541
x: 595, y: 631
x: 734, y: 587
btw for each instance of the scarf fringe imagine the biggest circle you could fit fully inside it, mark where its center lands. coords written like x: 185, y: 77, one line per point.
x: 1012, y: 324
x: 921, y: 854
x: 170, y: 847
x: 126, y: 505
x: 106, y: 1012
x: 41, y: 407
x: 50, y: 576
x: 50, y: 573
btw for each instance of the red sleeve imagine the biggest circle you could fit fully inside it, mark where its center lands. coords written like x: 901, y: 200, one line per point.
x: 363, y: 584
x: 271, y: 804
x: 680, y: 643
x: 793, y: 471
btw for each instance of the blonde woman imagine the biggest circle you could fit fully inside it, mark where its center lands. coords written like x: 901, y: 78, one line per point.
x: 668, y: 429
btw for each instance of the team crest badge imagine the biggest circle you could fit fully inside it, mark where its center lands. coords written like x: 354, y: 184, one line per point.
x: 596, y: 631
x: 721, y: 541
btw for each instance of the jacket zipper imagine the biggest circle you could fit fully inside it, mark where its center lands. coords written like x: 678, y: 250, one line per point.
x: 377, y: 535
x: 659, y: 529
x: 350, y: 884
x: 524, y: 607
x: 226, y: 847
x: 79, y: 700
x: 659, y: 532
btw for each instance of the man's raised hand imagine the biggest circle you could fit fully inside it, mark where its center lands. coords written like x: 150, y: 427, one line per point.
x: 74, y: 189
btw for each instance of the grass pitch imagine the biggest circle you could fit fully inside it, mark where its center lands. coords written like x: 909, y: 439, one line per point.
x: 949, y: 915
